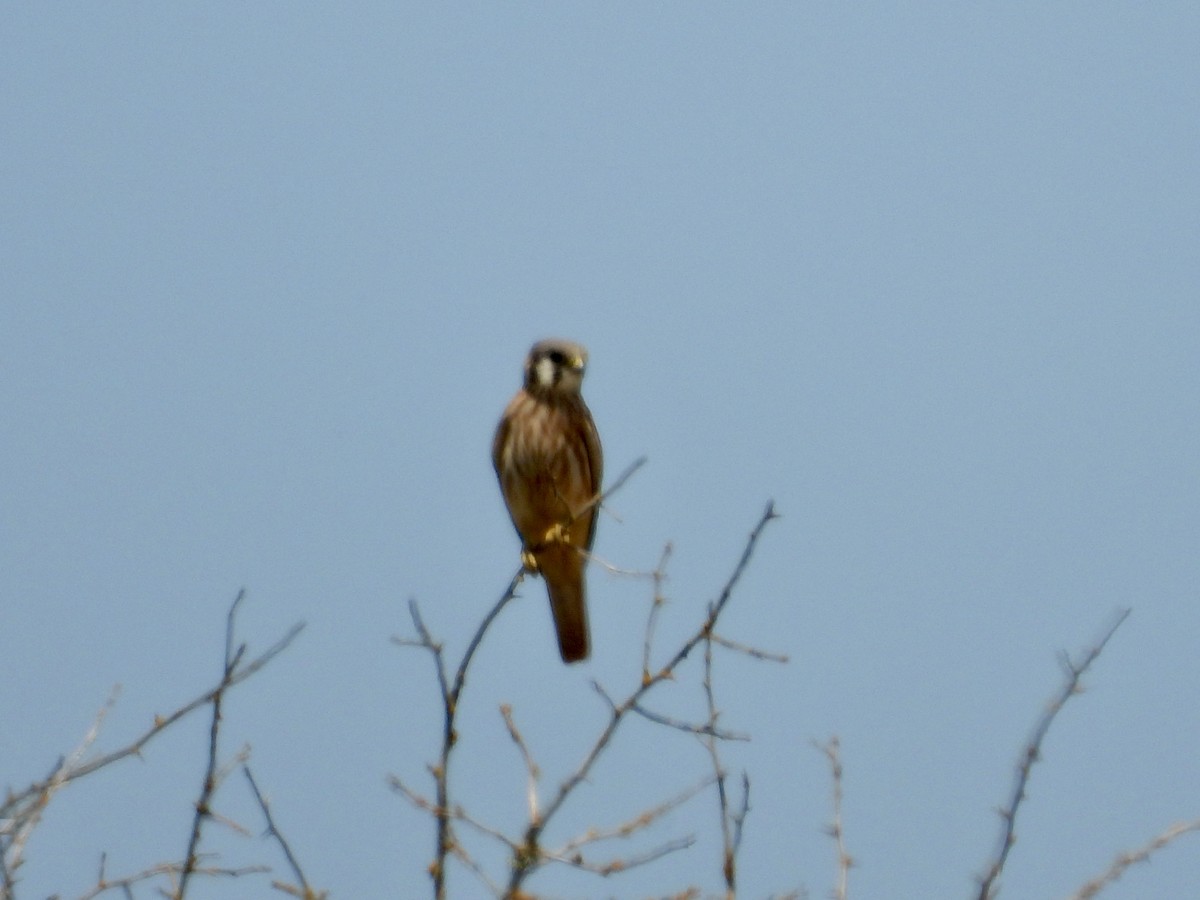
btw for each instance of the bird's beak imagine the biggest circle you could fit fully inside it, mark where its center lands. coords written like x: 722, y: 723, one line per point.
x: 577, y: 363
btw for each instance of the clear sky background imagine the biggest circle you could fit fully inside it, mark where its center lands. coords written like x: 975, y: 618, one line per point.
x: 927, y: 276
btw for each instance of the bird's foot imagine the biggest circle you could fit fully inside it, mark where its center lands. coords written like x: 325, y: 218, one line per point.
x: 529, y: 561
x: 556, y: 534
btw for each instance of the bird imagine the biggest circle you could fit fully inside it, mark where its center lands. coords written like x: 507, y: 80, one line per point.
x: 548, y: 461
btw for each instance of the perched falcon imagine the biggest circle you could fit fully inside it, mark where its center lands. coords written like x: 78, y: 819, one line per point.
x: 547, y: 457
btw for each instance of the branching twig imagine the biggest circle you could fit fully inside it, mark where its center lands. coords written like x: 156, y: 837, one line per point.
x: 832, y: 751
x: 728, y: 856
x: 701, y: 729
x: 614, y: 866
x: 631, y: 827
x: 599, y: 499
x: 171, y: 870
x: 20, y: 818
x: 1125, y: 860
x: 530, y: 856
x: 530, y: 766
x: 13, y: 804
x: 752, y: 652
x: 656, y: 604
x: 304, y: 891
x: 457, y: 814
x: 203, y: 804
x: 452, y: 691
x: 1031, y: 754
x: 450, y: 694
x: 19, y: 811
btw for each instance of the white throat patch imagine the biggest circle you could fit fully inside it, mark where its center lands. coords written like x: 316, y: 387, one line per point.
x: 544, y: 371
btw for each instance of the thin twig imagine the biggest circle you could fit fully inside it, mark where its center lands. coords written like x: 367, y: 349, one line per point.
x: 161, y: 723
x: 203, y: 804
x: 457, y: 814
x: 126, y: 883
x: 728, y: 859
x: 530, y: 766
x: 656, y: 604
x: 614, y: 866
x: 703, y: 729
x: 18, y: 808
x: 615, y: 486
x: 1124, y: 860
x: 1032, y: 752
x: 739, y: 817
x: 833, y: 753
x: 752, y: 652
x: 632, y: 826
x: 451, y: 691
x: 528, y: 859
x: 273, y: 831
x: 22, y: 818
x: 571, y: 853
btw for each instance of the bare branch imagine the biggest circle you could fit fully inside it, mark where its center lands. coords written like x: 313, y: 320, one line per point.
x: 615, y: 866
x: 739, y: 817
x: 530, y: 856
x: 832, y: 751
x: 728, y: 857
x: 1125, y: 860
x: 599, y: 499
x: 527, y: 856
x: 530, y: 766
x: 704, y: 729
x: 440, y: 808
x: 1032, y: 752
x: 20, y: 810
x: 21, y: 818
x: 161, y: 723
x: 752, y: 652
x: 167, y: 870
x: 452, y: 691
x: 632, y: 826
x: 571, y: 853
x: 203, y: 804
x: 305, y: 891
x: 656, y: 604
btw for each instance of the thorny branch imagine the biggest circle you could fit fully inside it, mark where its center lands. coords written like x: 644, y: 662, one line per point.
x: 450, y: 693
x: 832, y: 751
x: 15, y: 803
x: 530, y: 858
x: 527, y: 854
x: 446, y: 843
x: 530, y: 765
x: 1032, y: 752
x: 20, y: 812
x: 656, y: 605
x: 104, y: 884
x: 731, y: 822
x: 203, y: 805
x: 304, y: 890
x: 20, y: 815
x: 1127, y: 859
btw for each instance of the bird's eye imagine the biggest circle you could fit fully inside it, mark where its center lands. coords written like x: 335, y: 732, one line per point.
x: 556, y: 357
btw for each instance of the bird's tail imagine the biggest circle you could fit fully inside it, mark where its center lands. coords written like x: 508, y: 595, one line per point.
x: 561, y: 564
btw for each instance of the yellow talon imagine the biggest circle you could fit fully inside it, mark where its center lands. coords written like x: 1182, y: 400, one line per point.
x: 556, y: 534
x: 529, y: 561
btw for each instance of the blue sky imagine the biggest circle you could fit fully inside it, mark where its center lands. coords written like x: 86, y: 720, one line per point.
x: 926, y: 276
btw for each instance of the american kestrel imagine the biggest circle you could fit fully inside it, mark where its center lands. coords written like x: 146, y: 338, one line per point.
x: 547, y: 458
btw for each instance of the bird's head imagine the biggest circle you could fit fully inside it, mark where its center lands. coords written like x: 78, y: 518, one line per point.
x: 555, y: 366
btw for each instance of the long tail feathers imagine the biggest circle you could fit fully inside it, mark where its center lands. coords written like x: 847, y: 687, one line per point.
x: 561, y: 566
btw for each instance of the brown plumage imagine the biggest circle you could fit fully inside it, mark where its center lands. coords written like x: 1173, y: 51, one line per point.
x: 547, y: 458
